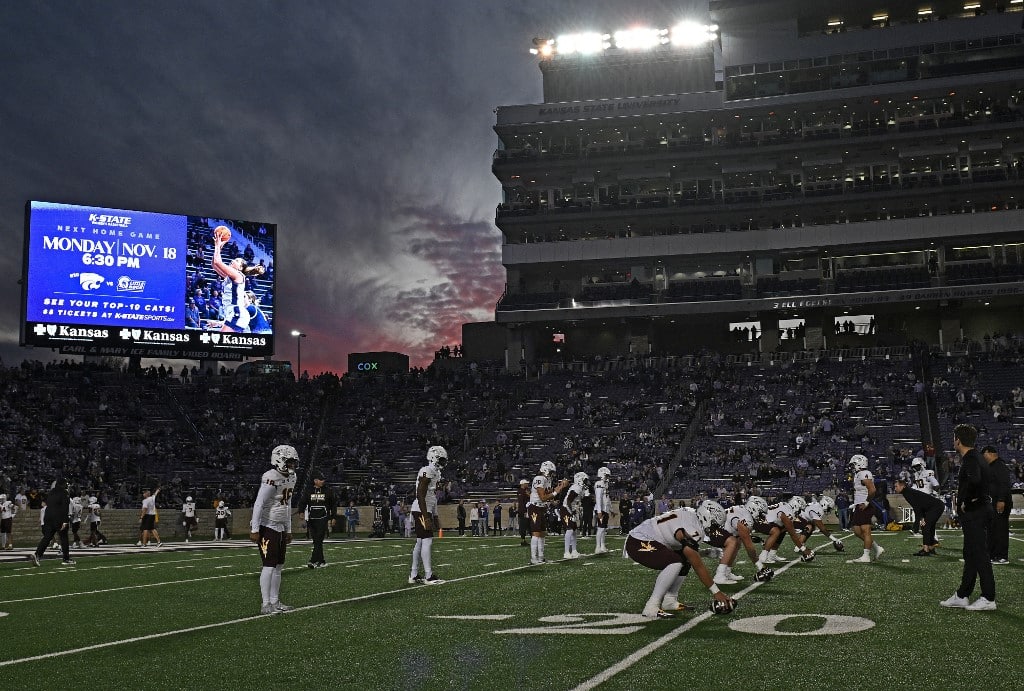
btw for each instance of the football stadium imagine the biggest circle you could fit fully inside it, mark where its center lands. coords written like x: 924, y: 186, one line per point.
x: 752, y: 382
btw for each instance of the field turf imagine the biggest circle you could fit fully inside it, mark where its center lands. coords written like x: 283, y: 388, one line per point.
x: 176, y: 618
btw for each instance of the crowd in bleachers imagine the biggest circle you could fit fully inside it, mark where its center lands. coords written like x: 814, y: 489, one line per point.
x: 683, y: 428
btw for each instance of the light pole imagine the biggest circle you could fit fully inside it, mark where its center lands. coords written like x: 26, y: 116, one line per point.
x: 298, y: 346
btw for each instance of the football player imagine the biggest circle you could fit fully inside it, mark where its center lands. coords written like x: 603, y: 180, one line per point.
x: 567, y: 512
x: 7, y: 512
x: 727, y: 529
x: 811, y: 516
x: 928, y: 510
x: 271, y: 524
x: 669, y: 544
x: 424, y: 515
x: 220, y: 521
x: 75, y: 518
x: 96, y: 537
x: 189, y: 520
x: 541, y: 494
x: 602, y: 507
x: 777, y: 522
x: 863, y: 509
x: 924, y: 479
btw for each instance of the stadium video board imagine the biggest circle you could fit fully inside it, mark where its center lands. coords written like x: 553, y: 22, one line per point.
x: 99, y: 281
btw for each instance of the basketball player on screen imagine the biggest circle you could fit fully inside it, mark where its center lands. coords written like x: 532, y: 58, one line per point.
x: 236, y: 316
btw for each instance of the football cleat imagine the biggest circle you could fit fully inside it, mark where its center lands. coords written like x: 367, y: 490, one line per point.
x: 656, y: 614
x: 282, y: 607
x: 415, y: 580
x: 723, y: 606
x: 433, y: 580
x: 67, y: 562
x: 878, y: 551
x: 862, y: 559
x: 955, y: 600
x: 35, y: 558
x: 982, y: 604
x: 764, y: 575
x: 675, y: 606
x: 268, y: 609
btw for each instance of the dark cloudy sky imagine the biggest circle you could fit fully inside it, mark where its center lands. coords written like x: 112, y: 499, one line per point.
x: 364, y: 130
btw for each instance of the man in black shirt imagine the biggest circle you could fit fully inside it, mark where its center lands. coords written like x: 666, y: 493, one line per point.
x: 975, y: 512
x: 319, y: 510
x: 928, y: 510
x: 999, y: 489
x: 55, y: 522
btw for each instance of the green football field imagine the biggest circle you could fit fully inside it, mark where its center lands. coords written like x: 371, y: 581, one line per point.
x: 187, y: 619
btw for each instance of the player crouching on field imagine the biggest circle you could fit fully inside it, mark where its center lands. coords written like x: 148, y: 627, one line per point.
x: 775, y: 521
x: 669, y: 544
x: 810, y: 515
x: 727, y: 529
x: 928, y: 509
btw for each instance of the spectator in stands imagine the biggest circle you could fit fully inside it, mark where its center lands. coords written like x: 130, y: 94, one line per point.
x: 191, y: 314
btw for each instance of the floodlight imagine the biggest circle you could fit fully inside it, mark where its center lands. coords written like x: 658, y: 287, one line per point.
x: 584, y: 44
x: 640, y: 38
x: 691, y: 34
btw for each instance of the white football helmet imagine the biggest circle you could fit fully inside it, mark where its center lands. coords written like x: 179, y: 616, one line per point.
x: 798, y: 503
x: 581, y: 479
x: 711, y: 514
x: 74, y: 500
x: 858, y: 462
x: 284, y: 457
x: 93, y: 500
x: 547, y: 468
x: 220, y: 505
x: 758, y: 507
x: 827, y: 504
x: 437, y: 456
x: 917, y: 465
x: 188, y: 499
x: 3, y: 497
x: 604, y: 473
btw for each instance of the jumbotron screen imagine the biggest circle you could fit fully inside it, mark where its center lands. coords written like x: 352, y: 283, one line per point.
x: 101, y: 281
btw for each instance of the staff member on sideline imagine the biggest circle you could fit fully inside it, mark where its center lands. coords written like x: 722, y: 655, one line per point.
x: 927, y: 512
x: 1000, y: 488
x: 975, y: 513
x: 55, y: 522
x: 319, y: 510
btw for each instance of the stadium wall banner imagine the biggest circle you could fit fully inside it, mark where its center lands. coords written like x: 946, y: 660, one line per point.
x: 100, y: 281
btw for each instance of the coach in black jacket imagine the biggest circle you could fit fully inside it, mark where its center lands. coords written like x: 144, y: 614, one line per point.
x: 55, y: 521
x: 928, y: 510
x: 999, y: 489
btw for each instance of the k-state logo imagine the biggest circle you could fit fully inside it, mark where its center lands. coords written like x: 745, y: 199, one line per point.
x: 109, y: 220
x: 89, y: 281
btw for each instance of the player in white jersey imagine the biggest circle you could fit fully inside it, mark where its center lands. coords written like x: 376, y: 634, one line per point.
x: 810, y: 515
x: 147, y: 519
x: 778, y: 522
x: 189, y: 519
x: 863, y: 509
x: 567, y: 512
x: 232, y: 274
x: 734, y: 530
x: 75, y: 520
x: 271, y: 524
x: 541, y: 494
x: 220, y: 521
x: 602, y: 507
x: 8, y: 510
x: 96, y: 537
x: 924, y: 479
x: 424, y: 515
x: 668, y: 543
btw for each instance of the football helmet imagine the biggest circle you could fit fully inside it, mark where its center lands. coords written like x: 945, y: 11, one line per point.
x: 284, y: 457
x: 917, y: 465
x: 827, y: 504
x: 604, y: 473
x: 3, y: 497
x: 220, y: 505
x: 798, y: 503
x: 188, y: 499
x: 547, y: 468
x: 437, y: 456
x: 758, y: 507
x: 93, y: 500
x: 74, y: 500
x: 711, y: 514
x: 581, y: 479
x: 858, y: 462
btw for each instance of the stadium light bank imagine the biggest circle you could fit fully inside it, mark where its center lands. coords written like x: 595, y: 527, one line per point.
x: 682, y: 35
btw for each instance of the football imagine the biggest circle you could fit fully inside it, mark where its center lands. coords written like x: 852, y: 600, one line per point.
x: 222, y: 233
x: 839, y: 546
x: 764, y: 575
x: 723, y: 606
